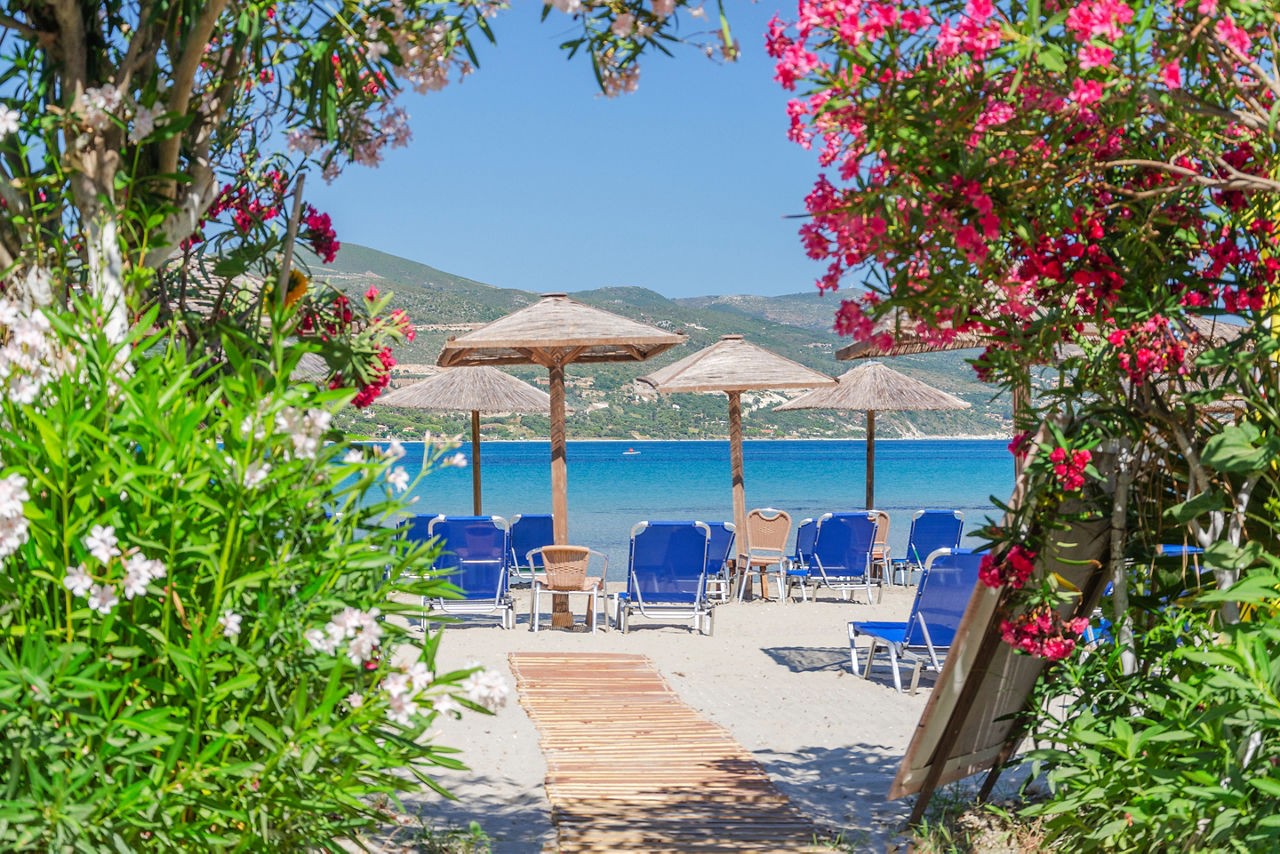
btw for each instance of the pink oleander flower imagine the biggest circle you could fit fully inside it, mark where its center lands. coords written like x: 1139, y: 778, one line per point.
x: 1086, y: 92
x: 1171, y: 75
x: 1092, y: 56
x: 1233, y: 36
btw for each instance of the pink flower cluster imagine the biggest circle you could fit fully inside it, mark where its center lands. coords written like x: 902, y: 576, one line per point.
x: 1069, y: 466
x: 1148, y: 349
x: 1098, y: 19
x: 1043, y: 633
x: 319, y: 231
x: 1013, y: 568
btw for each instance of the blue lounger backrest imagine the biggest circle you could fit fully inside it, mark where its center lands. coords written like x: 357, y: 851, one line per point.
x: 842, y: 544
x: 932, y: 530
x: 668, y: 562
x: 530, y: 531
x: 475, y: 551
x: 805, y: 536
x: 719, y: 546
x: 943, y: 596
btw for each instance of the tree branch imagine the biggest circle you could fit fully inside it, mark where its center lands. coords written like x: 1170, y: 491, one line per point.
x: 1237, y: 181
x: 184, y: 74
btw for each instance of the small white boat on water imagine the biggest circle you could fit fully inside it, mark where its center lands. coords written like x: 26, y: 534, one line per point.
x: 630, y: 452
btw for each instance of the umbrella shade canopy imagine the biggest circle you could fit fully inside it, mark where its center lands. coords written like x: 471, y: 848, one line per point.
x: 554, y: 328
x: 733, y: 366
x: 870, y: 387
x: 475, y: 390
x: 875, y: 386
x: 555, y: 332
x: 486, y: 390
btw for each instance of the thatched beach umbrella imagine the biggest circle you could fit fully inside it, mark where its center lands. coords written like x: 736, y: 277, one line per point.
x: 733, y: 366
x: 871, y: 387
x: 555, y: 332
x: 478, y: 390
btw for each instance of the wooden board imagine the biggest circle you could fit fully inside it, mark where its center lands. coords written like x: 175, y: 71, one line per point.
x: 969, y: 723
x: 632, y: 768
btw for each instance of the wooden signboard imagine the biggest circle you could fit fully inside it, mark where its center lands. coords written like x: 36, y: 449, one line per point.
x: 970, y: 722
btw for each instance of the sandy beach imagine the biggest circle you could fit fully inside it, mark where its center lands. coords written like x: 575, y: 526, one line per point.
x: 775, y: 676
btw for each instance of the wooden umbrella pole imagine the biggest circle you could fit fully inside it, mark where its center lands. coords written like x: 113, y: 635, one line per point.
x: 739, y: 492
x: 1021, y: 399
x: 561, y: 617
x: 871, y: 459
x: 475, y: 461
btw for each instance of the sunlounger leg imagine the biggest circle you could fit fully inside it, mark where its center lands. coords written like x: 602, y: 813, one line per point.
x: 893, y: 662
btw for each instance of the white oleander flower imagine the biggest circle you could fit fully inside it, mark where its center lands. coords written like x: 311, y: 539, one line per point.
x: 144, y: 122
x: 320, y: 642
x: 395, y: 450
x: 354, y: 700
x: 486, y: 688
x: 77, y: 581
x: 102, y: 598
x: 398, y: 478
x: 396, y: 684
x: 420, y: 675
x: 354, y: 457
x: 102, y: 543
x: 458, y: 460
x: 401, y: 708
x: 135, y: 584
x: 255, y: 474
x: 445, y: 704
x: 9, y: 121
x: 230, y: 622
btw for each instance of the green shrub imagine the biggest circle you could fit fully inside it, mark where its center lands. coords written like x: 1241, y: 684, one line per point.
x: 195, y: 571
x: 1183, y: 755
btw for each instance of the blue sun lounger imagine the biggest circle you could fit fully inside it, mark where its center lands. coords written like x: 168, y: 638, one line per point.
x: 667, y: 574
x: 529, y: 531
x: 476, y: 553
x: 949, y: 578
x: 719, y: 550
x: 930, y: 530
x: 841, y: 559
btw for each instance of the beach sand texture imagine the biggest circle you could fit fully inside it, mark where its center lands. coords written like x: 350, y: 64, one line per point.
x: 776, y: 677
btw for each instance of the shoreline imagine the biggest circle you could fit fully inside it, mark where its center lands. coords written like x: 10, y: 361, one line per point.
x: 879, y: 439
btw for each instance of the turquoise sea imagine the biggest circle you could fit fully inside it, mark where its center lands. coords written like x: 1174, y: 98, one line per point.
x: 610, y: 491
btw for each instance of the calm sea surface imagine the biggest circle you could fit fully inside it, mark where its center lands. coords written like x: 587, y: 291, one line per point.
x: 610, y: 491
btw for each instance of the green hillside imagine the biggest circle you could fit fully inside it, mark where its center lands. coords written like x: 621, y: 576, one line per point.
x: 604, y: 398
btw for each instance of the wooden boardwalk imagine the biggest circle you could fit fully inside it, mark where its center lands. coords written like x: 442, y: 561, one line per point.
x: 632, y: 768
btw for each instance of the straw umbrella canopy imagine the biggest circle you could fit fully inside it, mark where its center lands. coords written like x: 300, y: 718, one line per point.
x: 871, y: 387
x: 478, y: 390
x: 733, y: 366
x: 555, y: 332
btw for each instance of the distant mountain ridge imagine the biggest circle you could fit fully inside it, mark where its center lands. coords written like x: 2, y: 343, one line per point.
x: 798, y: 326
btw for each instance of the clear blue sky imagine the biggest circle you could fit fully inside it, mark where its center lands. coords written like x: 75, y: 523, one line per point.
x: 523, y: 177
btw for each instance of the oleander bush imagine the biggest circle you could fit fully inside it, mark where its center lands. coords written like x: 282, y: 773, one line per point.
x: 195, y: 575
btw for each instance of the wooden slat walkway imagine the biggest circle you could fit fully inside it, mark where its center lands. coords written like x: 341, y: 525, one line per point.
x: 632, y: 768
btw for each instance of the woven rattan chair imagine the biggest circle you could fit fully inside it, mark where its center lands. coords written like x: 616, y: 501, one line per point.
x: 767, y: 533
x: 565, y: 573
